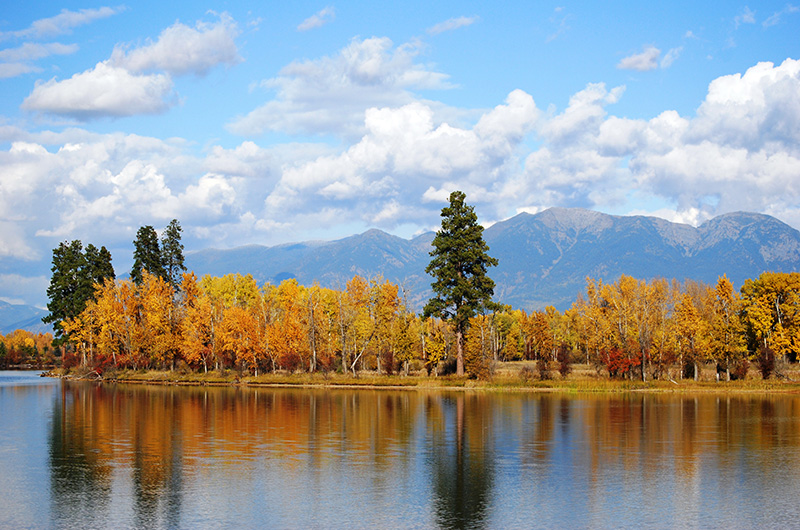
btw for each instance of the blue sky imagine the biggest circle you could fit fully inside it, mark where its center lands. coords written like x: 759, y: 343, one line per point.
x: 258, y: 123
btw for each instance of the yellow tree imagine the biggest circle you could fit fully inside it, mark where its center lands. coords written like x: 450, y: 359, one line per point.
x: 407, y: 343
x: 197, y: 337
x: 726, y: 335
x: 159, y: 330
x: 288, y: 336
x: 239, y: 337
x: 477, y: 347
x: 771, y: 308
x: 384, y: 305
x: 434, y: 343
x: 691, y: 333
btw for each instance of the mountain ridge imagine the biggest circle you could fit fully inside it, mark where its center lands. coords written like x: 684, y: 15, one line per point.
x: 544, y: 258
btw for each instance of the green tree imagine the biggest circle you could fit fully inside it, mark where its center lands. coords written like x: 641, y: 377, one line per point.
x: 459, y: 263
x: 70, y: 286
x: 172, y: 254
x: 98, y: 263
x: 146, y: 255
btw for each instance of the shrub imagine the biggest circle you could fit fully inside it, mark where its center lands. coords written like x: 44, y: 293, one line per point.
x: 526, y: 373
x: 544, y: 369
x: 564, y: 366
x: 739, y: 370
x: 618, y: 363
x: 766, y: 361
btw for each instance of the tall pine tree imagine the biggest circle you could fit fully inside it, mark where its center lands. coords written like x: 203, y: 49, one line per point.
x: 459, y: 266
x: 172, y: 254
x: 146, y: 255
x: 75, y: 273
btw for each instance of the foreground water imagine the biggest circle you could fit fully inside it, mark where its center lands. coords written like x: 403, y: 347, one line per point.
x: 85, y: 455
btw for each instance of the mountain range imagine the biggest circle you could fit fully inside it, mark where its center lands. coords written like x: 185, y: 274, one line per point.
x: 544, y: 258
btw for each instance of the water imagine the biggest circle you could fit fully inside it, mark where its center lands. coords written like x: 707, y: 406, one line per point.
x: 86, y: 455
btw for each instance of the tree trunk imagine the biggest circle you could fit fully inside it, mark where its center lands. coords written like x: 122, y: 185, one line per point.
x: 459, y: 352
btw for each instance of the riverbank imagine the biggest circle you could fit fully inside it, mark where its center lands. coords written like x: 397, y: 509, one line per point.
x: 508, y: 377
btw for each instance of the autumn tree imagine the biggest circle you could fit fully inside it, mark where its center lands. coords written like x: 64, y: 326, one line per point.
x: 691, y: 332
x: 771, y: 310
x: 459, y: 266
x: 726, y: 335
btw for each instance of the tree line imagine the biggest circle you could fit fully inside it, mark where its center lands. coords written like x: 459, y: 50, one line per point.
x: 631, y: 328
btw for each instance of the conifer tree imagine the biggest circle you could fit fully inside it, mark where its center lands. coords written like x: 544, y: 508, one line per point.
x: 146, y: 255
x: 459, y: 263
x: 75, y: 273
x: 172, y: 254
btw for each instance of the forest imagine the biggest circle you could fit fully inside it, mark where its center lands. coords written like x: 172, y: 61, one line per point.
x: 630, y: 328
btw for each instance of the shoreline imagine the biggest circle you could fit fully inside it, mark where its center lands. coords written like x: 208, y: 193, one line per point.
x: 372, y: 381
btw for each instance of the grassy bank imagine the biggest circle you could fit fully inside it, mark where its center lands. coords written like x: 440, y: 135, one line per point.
x: 507, y: 376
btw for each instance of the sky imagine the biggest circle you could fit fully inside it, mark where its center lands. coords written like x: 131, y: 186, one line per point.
x: 275, y: 122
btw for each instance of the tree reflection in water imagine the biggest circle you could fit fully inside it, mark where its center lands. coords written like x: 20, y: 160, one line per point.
x: 462, y: 459
x: 142, y: 456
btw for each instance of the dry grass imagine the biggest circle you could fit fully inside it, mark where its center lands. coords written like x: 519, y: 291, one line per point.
x: 511, y: 376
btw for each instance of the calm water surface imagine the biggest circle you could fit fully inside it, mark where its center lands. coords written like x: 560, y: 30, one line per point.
x: 85, y: 455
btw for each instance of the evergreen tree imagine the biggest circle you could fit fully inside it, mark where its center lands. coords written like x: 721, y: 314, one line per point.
x: 70, y: 287
x: 146, y: 255
x: 172, y: 254
x: 98, y: 263
x: 459, y: 262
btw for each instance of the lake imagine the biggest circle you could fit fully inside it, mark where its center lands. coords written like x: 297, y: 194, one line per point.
x: 89, y: 455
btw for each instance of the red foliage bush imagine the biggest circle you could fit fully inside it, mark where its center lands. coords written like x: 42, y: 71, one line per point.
x: 618, y: 363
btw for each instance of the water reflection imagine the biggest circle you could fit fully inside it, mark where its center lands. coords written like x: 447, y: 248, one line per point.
x: 461, y: 459
x: 141, y: 456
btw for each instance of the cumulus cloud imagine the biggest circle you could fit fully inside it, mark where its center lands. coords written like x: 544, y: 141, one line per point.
x: 646, y: 60
x: 105, y: 90
x: 136, y: 81
x: 452, y: 24
x: 181, y: 49
x: 329, y: 95
x: 402, y: 155
x: 738, y: 151
x: 318, y: 19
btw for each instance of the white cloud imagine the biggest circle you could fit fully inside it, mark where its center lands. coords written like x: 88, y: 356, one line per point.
x: 17, y: 288
x: 748, y: 16
x: 403, y: 154
x: 14, y: 69
x: 646, y: 60
x: 62, y: 23
x: 105, y: 90
x: 329, y: 95
x: 452, y: 24
x: 318, y: 19
x: 181, y: 49
x: 775, y: 18
x: 31, y: 51
x: 16, y: 61
x: 671, y: 56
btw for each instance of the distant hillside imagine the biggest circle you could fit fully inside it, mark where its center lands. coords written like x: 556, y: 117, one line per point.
x: 17, y: 316
x: 544, y: 258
